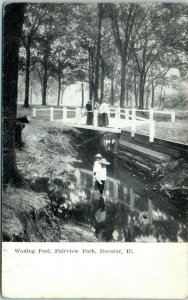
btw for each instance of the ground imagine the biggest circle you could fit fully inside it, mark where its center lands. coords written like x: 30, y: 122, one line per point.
x: 48, y: 150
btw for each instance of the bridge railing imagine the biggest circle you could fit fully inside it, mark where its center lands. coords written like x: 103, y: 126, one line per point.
x: 75, y: 115
x: 113, y: 112
x: 68, y: 113
x: 129, y: 113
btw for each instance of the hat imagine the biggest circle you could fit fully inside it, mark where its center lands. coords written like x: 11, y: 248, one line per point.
x: 98, y: 155
x: 103, y: 161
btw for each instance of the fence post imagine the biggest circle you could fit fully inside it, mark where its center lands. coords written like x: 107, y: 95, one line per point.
x: 95, y: 117
x: 151, y: 131
x: 117, y: 113
x: 133, y: 125
x: 65, y: 114
x: 51, y: 114
x: 127, y: 114
x: 133, y: 114
x: 173, y: 117
x: 151, y: 114
x: 117, y: 116
x: 34, y: 112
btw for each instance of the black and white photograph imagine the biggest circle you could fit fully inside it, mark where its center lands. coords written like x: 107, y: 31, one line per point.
x: 95, y: 122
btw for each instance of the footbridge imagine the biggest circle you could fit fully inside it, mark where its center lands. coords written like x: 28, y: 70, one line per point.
x: 119, y: 118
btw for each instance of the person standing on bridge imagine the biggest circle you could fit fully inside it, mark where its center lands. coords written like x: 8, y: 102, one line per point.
x: 89, y: 120
x: 101, y: 175
x: 96, y: 114
x: 103, y: 111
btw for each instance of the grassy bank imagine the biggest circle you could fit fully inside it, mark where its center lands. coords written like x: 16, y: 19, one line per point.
x: 49, y: 151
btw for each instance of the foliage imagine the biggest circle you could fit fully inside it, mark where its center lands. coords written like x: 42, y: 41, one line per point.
x: 139, y: 44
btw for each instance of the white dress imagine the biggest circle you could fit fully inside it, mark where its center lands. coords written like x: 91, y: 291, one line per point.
x: 101, y: 174
x: 95, y: 117
x: 96, y: 167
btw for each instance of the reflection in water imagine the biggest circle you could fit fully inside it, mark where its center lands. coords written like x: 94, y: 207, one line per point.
x: 124, y: 214
x: 108, y: 143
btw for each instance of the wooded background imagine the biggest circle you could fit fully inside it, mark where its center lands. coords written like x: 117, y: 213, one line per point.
x: 128, y: 54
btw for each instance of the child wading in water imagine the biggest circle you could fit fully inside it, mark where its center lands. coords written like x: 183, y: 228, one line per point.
x: 100, y: 175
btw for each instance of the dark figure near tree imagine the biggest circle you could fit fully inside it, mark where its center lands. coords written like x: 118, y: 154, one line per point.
x: 89, y: 113
x: 19, y: 126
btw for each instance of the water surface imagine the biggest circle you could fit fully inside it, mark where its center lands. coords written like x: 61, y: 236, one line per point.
x: 132, y: 209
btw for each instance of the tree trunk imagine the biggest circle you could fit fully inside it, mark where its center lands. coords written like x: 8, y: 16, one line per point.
x: 102, y: 84
x: 45, y: 74
x: 91, y: 71
x: 131, y: 104
x: 44, y: 85
x: 28, y: 57
x: 12, y: 26
x: 98, y: 55
x: 147, y: 100
x: 135, y: 90
x: 115, y: 89
x: 61, y: 97
x: 160, y: 98
x: 62, y: 93
x: 122, y: 94
x: 141, y: 91
x: 59, y: 90
x: 89, y: 62
x: 82, y: 105
x: 152, y: 94
x: 164, y: 97
x: 112, y: 91
x: 127, y: 96
x: 21, y: 96
x: 31, y: 95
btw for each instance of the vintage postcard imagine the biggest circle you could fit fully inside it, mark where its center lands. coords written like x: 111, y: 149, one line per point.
x: 95, y: 150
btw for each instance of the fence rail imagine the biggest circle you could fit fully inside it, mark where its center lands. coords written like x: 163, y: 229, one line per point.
x: 121, y: 115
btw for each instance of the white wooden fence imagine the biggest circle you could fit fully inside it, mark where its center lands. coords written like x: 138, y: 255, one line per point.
x: 126, y: 111
x: 122, y: 117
